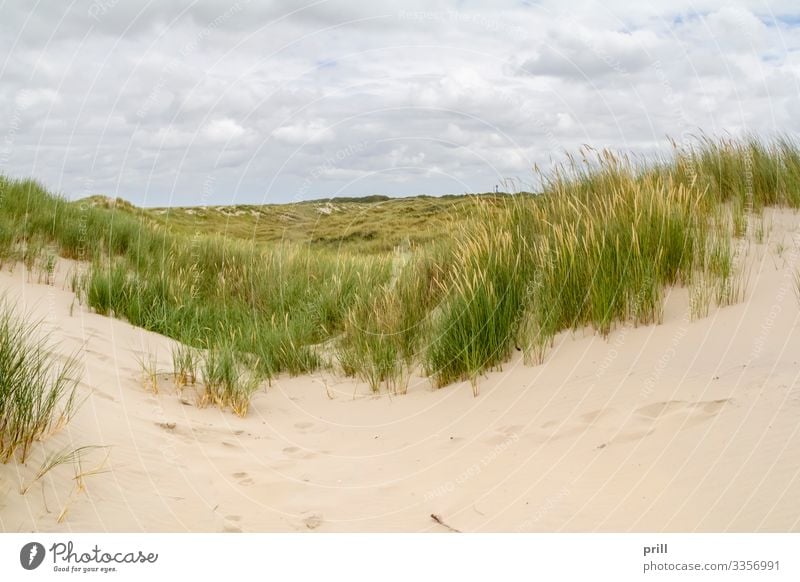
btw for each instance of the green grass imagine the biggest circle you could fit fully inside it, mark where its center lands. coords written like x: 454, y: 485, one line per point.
x: 229, y: 379
x: 186, y: 362
x: 63, y: 456
x: 37, y: 392
x: 484, y: 299
x: 599, y: 246
x: 365, y: 226
x: 385, y: 330
x: 385, y: 287
x: 369, y: 348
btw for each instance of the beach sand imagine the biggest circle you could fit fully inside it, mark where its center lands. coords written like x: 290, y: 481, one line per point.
x: 684, y: 426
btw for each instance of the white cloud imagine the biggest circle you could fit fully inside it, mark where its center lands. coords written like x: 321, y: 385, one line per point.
x: 273, y: 101
x: 734, y: 27
x: 304, y: 133
x: 222, y: 130
x: 31, y: 98
x: 576, y: 51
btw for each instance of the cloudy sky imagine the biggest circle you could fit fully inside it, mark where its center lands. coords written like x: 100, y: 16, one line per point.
x: 212, y: 102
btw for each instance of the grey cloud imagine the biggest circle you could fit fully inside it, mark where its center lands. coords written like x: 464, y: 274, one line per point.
x: 262, y: 98
x: 585, y: 55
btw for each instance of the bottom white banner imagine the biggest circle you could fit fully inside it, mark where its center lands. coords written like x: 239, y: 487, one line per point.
x: 382, y: 557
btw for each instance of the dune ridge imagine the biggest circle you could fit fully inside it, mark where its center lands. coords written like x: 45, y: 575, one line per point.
x: 690, y: 425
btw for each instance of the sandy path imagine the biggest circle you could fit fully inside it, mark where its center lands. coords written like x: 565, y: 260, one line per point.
x: 679, y: 427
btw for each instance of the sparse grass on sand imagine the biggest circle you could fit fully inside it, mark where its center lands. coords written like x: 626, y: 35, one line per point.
x: 185, y: 364
x: 229, y: 379
x: 37, y: 392
x: 449, y: 286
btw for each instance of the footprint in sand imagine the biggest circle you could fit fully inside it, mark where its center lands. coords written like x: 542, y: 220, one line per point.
x: 244, y: 478
x: 309, y: 427
x: 714, y: 406
x: 694, y: 411
x: 686, y: 414
x: 658, y: 409
x: 632, y: 436
x: 103, y: 395
x: 102, y: 357
x: 298, y: 453
x: 581, y: 425
x: 641, y: 423
x: 594, y: 417
x: 231, y: 524
x: 504, y: 434
x: 312, y: 520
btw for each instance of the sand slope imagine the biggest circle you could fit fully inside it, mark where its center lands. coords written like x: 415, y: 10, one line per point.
x: 686, y: 426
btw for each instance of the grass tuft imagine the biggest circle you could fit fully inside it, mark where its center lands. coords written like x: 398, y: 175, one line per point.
x: 37, y: 392
x: 185, y: 363
x: 229, y: 380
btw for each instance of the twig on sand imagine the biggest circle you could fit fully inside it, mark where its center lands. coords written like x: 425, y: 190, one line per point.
x: 441, y: 522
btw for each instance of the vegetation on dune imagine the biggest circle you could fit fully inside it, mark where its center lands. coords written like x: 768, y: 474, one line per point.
x: 600, y: 245
x: 229, y: 378
x: 37, y: 392
x: 450, y: 286
x: 370, y: 225
x: 384, y: 330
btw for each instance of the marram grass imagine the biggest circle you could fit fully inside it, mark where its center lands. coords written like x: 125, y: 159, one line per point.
x: 597, y: 246
x: 37, y: 391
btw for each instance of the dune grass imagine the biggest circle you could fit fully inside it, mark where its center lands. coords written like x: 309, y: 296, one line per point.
x: 370, y: 225
x: 568, y: 259
x: 384, y: 331
x: 447, y: 286
x: 186, y: 362
x: 229, y: 378
x: 37, y: 392
x: 599, y: 246
x: 368, y: 349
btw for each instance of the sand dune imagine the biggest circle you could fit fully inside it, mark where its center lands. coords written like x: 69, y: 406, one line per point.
x: 685, y: 426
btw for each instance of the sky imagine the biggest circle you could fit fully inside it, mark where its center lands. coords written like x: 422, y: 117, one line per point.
x: 211, y: 102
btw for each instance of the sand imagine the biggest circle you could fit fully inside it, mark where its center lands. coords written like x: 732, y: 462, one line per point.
x: 684, y: 426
